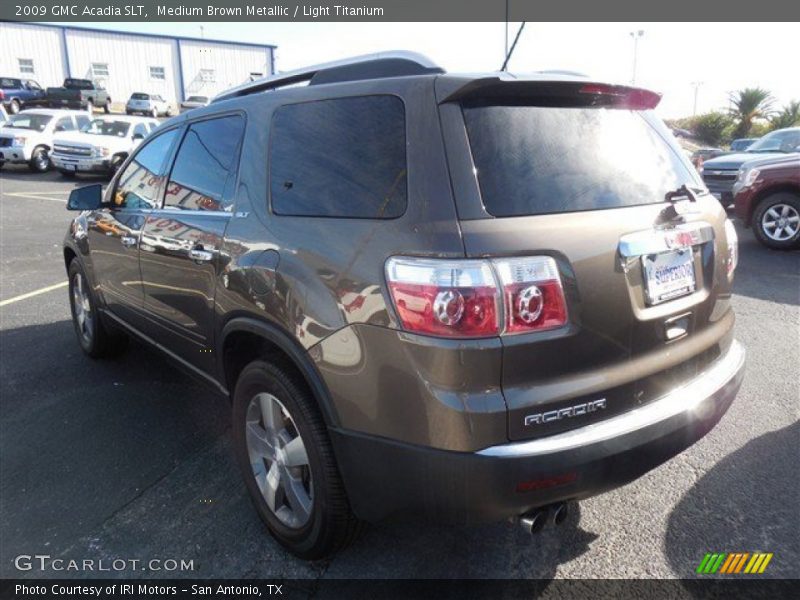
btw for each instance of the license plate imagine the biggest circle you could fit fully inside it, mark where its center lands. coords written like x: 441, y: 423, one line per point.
x: 668, y: 275
x: 70, y: 167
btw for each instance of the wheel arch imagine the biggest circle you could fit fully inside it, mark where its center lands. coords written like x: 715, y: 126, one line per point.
x: 766, y: 193
x: 244, y: 339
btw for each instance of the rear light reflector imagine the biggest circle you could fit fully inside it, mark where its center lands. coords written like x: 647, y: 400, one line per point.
x: 446, y: 298
x: 532, y: 293
x: 732, y: 260
x: 476, y: 298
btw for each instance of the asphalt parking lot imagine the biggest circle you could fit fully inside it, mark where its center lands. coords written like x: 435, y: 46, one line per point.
x: 129, y: 458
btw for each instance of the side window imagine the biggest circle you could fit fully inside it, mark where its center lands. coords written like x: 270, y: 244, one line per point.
x: 32, y: 85
x: 82, y: 121
x: 339, y: 158
x: 140, y: 131
x: 205, y: 166
x: 138, y: 184
x: 64, y: 124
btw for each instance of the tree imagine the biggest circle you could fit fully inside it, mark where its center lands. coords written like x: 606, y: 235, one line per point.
x: 749, y: 104
x: 711, y: 127
x: 789, y: 116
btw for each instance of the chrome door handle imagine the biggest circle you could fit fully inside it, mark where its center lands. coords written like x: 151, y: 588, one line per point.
x: 201, y: 255
x: 128, y: 241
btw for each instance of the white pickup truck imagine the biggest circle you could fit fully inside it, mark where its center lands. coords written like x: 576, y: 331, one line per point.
x: 27, y: 137
x: 101, y: 146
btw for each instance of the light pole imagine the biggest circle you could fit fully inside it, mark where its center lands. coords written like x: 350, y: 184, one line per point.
x: 696, y: 85
x: 635, y: 35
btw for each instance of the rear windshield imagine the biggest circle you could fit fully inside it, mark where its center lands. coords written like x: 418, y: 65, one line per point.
x: 140, y: 97
x: 533, y: 160
x: 78, y: 84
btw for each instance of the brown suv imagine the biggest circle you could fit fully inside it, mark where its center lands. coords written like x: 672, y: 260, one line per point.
x: 464, y: 298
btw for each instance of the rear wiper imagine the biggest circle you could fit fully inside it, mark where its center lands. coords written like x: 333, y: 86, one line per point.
x: 681, y: 193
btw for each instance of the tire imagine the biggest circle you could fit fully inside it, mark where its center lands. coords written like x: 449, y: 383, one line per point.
x: 128, y: 112
x: 13, y: 106
x: 107, y: 106
x: 40, y: 160
x: 154, y: 113
x: 67, y: 174
x: 776, y: 221
x: 327, y: 525
x: 95, y: 339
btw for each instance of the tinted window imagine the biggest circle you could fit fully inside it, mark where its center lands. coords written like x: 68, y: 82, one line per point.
x: 140, y: 129
x: 139, y: 183
x: 534, y: 160
x: 205, y: 167
x: 140, y: 97
x: 82, y: 121
x: 339, y: 158
x: 783, y: 140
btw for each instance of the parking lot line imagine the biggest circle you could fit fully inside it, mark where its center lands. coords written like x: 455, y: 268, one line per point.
x: 43, y: 290
x: 37, y: 196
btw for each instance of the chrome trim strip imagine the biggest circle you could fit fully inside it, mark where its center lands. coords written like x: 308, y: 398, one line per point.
x: 654, y: 241
x: 679, y: 400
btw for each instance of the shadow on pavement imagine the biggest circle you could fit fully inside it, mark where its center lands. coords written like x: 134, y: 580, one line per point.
x: 725, y: 510
x: 766, y: 274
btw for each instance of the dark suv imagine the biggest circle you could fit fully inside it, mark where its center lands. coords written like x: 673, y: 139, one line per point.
x: 464, y: 298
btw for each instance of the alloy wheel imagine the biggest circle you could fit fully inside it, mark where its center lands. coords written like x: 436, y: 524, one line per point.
x: 780, y: 222
x: 83, y: 308
x: 279, y: 461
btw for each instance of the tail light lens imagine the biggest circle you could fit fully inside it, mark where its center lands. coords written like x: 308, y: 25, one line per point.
x: 733, y: 247
x: 476, y: 298
x: 532, y: 294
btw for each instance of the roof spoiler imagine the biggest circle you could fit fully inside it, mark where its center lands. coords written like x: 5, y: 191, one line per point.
x: 544, y: 90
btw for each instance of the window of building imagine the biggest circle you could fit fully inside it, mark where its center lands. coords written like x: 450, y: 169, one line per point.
x: 340, y: 158
x: 157, y: 73
x: 205, y: 168
x: 99, y: 69
x: 26, y: 66
x: 139, y: 183
x: 208, y: 75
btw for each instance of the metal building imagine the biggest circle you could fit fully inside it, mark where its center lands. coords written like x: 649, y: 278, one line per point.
x: 123, y: 63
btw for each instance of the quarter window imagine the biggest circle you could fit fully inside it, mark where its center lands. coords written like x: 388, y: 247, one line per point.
x: 339, y: 158
x: 64, y: 124
x: 26, y: 66
x: 138, y: 184
x: 205, y: 168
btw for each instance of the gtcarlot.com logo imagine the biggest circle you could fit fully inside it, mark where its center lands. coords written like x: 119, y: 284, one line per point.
x: 734, y: 563
x: 45, y: 562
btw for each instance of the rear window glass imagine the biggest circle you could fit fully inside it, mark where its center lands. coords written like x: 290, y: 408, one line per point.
x: 534, y: 160
x: 140, y: 97
x: 344, y: 157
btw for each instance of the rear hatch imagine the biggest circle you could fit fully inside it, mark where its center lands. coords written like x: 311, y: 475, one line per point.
x: 581, y: 173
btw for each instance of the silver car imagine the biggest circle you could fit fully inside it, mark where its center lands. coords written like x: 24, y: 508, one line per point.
x: 194, y: 102
x: 151, y: 105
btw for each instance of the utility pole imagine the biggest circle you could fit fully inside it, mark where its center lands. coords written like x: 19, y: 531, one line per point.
x: 696, y: 85
x: 635, y: 35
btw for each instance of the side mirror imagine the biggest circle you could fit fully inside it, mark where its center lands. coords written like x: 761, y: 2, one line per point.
x: 89, y: 197
x: 138, y: 136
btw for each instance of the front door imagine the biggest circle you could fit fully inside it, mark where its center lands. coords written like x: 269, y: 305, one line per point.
x: 114, y: 230
x: 181, y: 240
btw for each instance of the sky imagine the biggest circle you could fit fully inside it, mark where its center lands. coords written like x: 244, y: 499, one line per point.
x: 671, y: 57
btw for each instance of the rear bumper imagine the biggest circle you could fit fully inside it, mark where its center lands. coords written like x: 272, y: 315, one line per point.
x: 384, y: 477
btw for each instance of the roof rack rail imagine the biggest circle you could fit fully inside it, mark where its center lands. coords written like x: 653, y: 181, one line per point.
x: 368, y: 66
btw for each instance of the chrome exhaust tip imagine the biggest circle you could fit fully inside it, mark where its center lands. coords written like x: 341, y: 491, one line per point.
x: 560, y: 513
x: 534, y: 521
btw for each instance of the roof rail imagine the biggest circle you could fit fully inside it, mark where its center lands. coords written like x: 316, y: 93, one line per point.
x: 368, y: 66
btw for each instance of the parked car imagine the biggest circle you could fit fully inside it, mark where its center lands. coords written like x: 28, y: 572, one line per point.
x: 742, y: 144
x: 100, y: 146
x: 17, y: 94
x: 701, y: 155
x: 679, y: 132
x: 81, y: 94
x: 27, y: 137
x: 194, y: 102
x: 497, y: 331
x: 152, y: 105
x: 3, y: 115
x: 720, y: 173
x: 767, y: 198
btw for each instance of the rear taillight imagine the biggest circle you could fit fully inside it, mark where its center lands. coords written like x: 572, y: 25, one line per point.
x: 447, y: 298
x: 476, y: 298
x: 532, y: 294
x: 732, y: 259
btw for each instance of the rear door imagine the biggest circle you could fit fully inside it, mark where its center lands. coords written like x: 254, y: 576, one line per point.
x: 584, y: 180
x: 181, y: 239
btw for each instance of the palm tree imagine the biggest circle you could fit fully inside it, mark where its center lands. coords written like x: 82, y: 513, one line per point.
x: 789, y: 116
x: 749, y: 104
